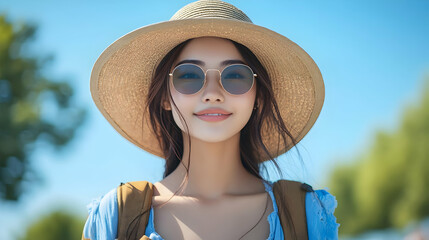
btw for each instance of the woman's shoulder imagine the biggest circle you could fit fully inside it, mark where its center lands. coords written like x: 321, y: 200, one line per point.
x: 102, y: 219
x: 321, y: 221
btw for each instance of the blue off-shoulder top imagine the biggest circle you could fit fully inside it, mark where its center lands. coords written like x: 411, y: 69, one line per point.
x: 102, y: 222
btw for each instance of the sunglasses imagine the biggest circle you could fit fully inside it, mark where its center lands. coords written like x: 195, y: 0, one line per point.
x: 190, y: 78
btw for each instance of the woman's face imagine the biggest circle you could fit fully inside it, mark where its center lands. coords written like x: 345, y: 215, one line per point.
x: 212, y: 51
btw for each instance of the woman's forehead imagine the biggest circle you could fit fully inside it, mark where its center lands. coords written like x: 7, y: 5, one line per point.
x: 210, y: 51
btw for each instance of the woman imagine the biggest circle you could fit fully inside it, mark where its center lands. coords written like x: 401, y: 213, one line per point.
x: 209, y: 88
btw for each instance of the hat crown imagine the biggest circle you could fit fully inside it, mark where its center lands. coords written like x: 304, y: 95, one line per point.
x: 210, y: 9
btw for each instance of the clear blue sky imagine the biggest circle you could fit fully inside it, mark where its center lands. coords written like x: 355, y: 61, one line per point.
x: 372, y: 54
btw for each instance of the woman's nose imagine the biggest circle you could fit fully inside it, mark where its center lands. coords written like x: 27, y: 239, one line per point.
x: 213, y: 91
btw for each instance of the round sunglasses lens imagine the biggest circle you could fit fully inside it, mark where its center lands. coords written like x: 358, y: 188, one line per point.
x: 237, y: 79
x: 188, y: 78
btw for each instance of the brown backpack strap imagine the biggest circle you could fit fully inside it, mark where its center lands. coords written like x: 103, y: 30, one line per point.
x: 290, y: 199
x: 134, y: 203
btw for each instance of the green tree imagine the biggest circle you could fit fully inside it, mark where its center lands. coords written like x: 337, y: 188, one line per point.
x: 57, y: 225
x: 386, y: 187
x: 28, y: 99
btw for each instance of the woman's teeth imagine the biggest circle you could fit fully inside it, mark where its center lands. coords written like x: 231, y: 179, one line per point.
x: 213, y: 114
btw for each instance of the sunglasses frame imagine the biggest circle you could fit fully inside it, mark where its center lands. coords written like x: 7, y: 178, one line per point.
x: 220, y: 77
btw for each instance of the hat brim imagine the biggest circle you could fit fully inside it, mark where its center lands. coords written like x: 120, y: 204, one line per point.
x: 122, y: 74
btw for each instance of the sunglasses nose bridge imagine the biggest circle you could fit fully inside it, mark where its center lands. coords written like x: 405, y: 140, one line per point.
x: 216, y: 79
x: 213, y: 69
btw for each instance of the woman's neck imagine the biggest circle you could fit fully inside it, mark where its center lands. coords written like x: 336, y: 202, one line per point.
x: 215, y: 170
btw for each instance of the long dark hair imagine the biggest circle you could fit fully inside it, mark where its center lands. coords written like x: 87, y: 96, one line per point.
x: 252, y: 147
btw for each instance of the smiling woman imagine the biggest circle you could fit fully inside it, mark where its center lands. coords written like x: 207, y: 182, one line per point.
x: 236, y: 108
x: 210, y: 88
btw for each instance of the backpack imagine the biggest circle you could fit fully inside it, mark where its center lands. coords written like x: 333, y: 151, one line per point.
x: 289, y: 195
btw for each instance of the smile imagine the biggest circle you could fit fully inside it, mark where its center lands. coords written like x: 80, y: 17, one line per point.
x: 213, y: 117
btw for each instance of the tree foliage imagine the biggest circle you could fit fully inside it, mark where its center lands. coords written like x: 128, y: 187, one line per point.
x: 32, y: 108
x: 57, y: 225
x: 387, y: 186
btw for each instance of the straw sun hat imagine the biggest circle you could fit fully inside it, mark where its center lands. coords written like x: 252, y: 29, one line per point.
x: 122, y: 74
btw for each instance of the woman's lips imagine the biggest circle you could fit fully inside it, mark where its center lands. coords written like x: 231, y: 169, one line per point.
x: 213, y: 111
x: 213, y: 117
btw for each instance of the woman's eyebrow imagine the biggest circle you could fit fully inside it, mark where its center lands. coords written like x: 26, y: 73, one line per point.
x: 201, y: 63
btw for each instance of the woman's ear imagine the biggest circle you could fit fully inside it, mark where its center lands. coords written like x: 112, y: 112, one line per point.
x: 166, y: 106
x: 257, y: 104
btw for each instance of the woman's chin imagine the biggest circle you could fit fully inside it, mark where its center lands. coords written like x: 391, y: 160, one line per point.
x: 213, y: 137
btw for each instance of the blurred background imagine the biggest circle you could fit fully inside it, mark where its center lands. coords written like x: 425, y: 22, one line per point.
x: 369, y: 146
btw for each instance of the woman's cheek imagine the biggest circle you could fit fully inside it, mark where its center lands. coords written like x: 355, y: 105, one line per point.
x: 185, y: 107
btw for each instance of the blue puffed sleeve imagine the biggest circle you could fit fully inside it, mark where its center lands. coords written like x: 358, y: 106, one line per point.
x: 102, y: 222
x: 321, y: 222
